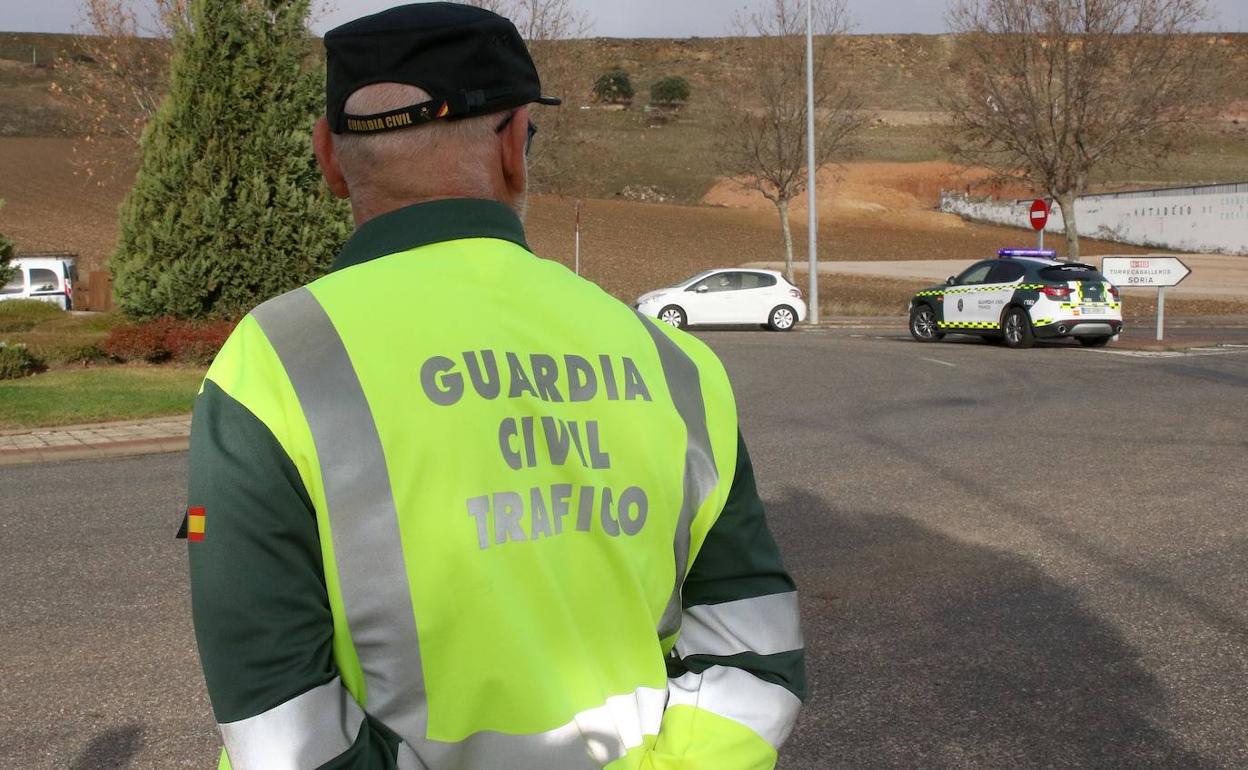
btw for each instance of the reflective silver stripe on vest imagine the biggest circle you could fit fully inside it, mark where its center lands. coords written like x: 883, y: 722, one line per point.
x: 594, y: 738
x: 764, y: 624
x: 306, y: 731
x: 363, y: 520
x: 767, y: 709
x: 701, y: 475
x: 376, y: 598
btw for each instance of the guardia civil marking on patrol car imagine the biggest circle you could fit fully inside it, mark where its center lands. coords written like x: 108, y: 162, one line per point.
x: 1022, y: 296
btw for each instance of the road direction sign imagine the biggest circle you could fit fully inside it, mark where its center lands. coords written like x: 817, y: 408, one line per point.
x: 1039, y: 214
x: 1127, y: 272
x: 1147, y: 272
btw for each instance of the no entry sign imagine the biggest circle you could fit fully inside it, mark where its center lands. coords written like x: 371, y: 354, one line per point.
x: 1039, y: 215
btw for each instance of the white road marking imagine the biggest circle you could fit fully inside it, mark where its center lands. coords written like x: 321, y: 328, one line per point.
x: 938, y: 361
x: 1223, y: 350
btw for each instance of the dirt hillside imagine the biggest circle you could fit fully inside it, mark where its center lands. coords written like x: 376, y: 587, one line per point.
x: 874, y: 212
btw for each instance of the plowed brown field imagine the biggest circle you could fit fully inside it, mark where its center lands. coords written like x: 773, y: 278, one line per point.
x: 870, y: 212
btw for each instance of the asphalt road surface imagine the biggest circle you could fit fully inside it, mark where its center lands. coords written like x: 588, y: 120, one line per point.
x: 1007, y: 559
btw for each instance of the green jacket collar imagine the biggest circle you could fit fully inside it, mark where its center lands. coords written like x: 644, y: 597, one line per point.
x: 422, y: 224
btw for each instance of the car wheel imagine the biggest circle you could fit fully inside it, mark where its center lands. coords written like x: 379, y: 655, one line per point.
x: 673, y: 316
x: 923, y: 325
x: 1094, y: 342
x: 782, y: 318
x: 1017, y: 329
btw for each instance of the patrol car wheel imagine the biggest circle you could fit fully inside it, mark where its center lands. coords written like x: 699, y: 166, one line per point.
x: 1094, y: 342
x: 923, y: 325
x: 782, y: 319
x: 1017, y: 329
x: 673, y: 316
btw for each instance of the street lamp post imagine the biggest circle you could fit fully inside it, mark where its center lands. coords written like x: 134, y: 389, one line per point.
x: 813, y: 213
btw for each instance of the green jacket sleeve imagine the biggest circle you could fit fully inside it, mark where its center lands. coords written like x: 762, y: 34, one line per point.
x: 260, y: 606
x: 737, y: 673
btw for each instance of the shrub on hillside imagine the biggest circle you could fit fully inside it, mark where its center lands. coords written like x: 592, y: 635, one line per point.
x: 16, y: 362
x: 614, y: 87
x: 20, y: 315
x: 670, y: 92
x: 168, y: 339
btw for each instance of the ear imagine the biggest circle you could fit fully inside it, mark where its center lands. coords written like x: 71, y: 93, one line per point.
x: 515, y: 165
x: 327, y: 157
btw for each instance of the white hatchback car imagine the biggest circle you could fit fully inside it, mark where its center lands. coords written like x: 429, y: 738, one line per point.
x: 728, y: 297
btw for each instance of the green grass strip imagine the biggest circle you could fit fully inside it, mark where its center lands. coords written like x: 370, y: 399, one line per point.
x: 75, y: 396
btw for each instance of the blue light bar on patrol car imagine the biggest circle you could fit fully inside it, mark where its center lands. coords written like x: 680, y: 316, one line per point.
x: 1048, y: 253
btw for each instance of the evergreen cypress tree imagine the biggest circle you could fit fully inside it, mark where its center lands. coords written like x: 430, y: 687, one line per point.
x: 6, y: 256
x: 228, y: 208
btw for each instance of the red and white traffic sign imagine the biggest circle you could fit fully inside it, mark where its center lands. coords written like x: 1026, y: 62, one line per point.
x: 1144, y: 271
x: 1039, y: 214
x: 1157, y: 272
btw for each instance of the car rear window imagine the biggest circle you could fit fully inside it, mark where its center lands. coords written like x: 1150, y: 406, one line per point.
x: 1071, y: 272
x: 42, y: 279
x: 1005, y: 272
x: 757, y: 280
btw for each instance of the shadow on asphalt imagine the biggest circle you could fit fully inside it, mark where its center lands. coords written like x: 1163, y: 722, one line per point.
x: 930, y: 652
x: 113, y: 748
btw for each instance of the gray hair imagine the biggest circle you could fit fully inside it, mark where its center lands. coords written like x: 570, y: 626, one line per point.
x: 434, y: 160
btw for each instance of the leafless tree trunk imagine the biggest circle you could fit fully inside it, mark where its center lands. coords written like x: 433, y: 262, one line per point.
x: 783, y: 208
x: 761, y: 134
x: 1053, y: 91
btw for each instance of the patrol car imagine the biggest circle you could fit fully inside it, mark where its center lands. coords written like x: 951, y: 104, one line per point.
x: 1022, y: 296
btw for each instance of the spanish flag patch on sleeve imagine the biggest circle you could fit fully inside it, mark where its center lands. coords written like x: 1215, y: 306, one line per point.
x: 195, y: 518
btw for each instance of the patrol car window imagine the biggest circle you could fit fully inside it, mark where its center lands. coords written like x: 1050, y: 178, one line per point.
x: 976, y: 274
x: 15, y: 285
x: 1005, y: 272
x: 42, y: 279
x: 1071, y: 272
x: 757, y: 280
x: 721, y: 282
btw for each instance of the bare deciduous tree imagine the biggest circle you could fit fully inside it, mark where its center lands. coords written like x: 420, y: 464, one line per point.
x: 1052, y: 91
x: 121, y: 73
x: 761, y: 135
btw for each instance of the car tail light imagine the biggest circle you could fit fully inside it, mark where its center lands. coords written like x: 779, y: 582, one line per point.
x: 1113, y: 292
x: 795, y: 293
x: 1057, y: 292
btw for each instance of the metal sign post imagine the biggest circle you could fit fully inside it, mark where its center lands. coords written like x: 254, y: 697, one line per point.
x: 813, y: 246
x: 1161, y: 313
x: 1141, y: 272
x: 578, y: 237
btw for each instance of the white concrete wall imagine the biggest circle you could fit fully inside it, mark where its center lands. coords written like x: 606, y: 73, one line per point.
x: 1208, y: 220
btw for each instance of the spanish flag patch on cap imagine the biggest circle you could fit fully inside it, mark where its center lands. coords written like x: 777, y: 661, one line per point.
x: 195, y: 518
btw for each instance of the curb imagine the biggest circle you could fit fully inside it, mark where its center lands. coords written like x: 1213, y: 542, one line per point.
x: 94, y: 441
x: 9, y: 457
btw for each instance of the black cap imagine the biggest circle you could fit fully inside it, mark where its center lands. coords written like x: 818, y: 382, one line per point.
x: 470, y: 61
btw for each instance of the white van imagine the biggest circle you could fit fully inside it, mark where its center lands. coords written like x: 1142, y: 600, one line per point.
x: 44, y: 279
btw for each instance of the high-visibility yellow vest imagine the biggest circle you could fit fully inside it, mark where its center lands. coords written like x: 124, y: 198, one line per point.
x: 509, y: 487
